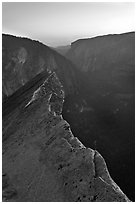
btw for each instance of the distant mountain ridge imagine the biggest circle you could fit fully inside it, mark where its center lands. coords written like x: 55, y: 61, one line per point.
x: 62, y: 49
x: 94, y: 53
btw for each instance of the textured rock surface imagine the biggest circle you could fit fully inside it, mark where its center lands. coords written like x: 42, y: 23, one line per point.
x: 43, y: 161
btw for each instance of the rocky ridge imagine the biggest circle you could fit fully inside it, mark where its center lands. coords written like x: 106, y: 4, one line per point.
x: 43, y: 161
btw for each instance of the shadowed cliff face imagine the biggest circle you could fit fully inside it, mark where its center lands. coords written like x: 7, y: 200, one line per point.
x: 106, y: 113
x: 42, y: 160
x: 23, y: 59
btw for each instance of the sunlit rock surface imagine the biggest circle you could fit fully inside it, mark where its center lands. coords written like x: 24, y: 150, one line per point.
x: 43, y: 161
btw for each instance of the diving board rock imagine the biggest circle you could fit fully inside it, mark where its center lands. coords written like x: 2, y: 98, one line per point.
x: 43, y: 161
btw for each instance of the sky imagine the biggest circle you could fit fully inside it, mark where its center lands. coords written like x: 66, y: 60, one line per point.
x: 60, y: 23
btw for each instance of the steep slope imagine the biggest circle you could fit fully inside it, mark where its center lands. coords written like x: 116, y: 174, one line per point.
x: 42, y: 160
x: 22, y: 59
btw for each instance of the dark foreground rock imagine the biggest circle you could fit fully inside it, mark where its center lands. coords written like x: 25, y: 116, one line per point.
x: 43, y: 161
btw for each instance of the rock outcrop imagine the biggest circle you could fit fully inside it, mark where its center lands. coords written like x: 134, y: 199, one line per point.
x: 42, y: 160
